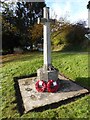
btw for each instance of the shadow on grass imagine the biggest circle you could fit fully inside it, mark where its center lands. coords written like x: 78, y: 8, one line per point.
x: 67, y: 53
x: 74, y: 48
x: 85, y: 82
x: 20, y: 57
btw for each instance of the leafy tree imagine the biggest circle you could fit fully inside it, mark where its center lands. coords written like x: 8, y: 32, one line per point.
x: 69, y: 34
x: 59, y: 27
x: 9, y: 36
x: 8, y: 12
x: 26, y: 17
x: 22, y: 17
x: 27, y: 13
x: 37, y: 33
x: 76, y: 34
x: 59, y: 31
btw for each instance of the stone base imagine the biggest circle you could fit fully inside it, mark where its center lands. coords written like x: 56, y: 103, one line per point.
x: 33, y: 99
x: 46, y: 75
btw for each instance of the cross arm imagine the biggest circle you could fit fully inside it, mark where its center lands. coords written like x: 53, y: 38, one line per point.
x: 44, y: 20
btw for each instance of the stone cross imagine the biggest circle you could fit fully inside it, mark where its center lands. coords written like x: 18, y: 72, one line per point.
x: 48, y: 72
x: 46, y: 34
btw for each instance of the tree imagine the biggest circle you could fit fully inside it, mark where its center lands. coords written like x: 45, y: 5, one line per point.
x: 9, y: 30
x: 9, y: 36
x: 37, y: 33
x: 76, y: 34
x: 69, y: 34
x: 22, y: 17
x: 26, y: 17
x: 58, y: 27
x: 59, y: 31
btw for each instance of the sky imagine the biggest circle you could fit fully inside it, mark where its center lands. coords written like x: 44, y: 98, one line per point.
x: 73, y: 10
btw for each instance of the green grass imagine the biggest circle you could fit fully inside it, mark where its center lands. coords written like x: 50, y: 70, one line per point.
x: 73, y: 65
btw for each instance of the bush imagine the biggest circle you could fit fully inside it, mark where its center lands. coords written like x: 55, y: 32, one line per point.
x: 71, y: 35
x: 76, y: 35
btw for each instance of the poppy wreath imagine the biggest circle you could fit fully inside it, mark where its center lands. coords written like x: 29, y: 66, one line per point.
x: 40, y: 86
x: 52, y: 86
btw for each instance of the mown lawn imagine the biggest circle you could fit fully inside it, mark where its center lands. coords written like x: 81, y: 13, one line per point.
x: 73, y: 65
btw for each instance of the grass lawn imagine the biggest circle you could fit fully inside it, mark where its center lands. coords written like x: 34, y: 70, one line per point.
x: 73, y: 65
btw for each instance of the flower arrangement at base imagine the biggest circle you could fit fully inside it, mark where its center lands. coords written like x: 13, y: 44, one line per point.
x: 40, y: 86
x: 52, y: 86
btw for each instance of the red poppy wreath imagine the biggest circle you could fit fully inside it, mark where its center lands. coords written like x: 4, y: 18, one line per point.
x: 40, y: 86
x: 52, y: 86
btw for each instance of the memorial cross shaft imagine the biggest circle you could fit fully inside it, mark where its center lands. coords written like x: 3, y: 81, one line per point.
x: 46, y: 34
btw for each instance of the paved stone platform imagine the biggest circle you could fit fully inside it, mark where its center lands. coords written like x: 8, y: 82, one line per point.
x: 33, y: 99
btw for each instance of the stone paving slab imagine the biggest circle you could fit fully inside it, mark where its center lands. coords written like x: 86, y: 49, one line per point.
x: 33, y: 99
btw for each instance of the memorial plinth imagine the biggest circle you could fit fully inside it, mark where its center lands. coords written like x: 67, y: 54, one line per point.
x: 33, y: 99
x: 46, y: 75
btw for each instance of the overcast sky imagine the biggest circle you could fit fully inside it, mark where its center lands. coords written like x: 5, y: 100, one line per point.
x: 74, y: 10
